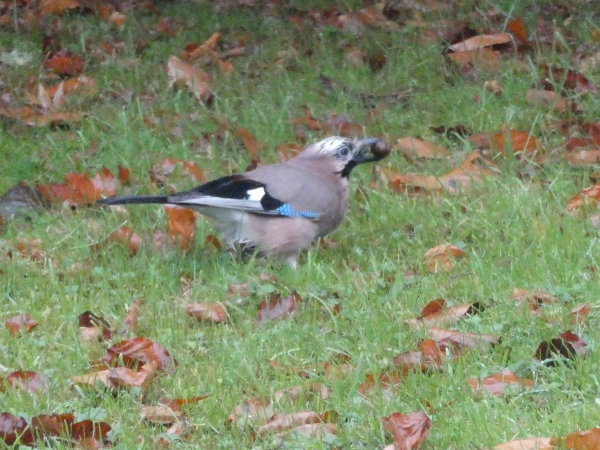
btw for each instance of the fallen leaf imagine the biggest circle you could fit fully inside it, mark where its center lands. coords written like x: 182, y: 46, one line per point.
x: 588, y: 196
x: 423, y: 149
x: 164, y: 414
x: 481, y: 41
x: 547, y: 99
x: 29, y: 381
x: 460, y: 339
x: 130, y: 321
x: 580, y: 440
x: 534, y: 299
x: 93, y: 327
x: 207, y: 312
x: 277, y: 307
x: 254, y: 410
x: 442, y: 258
x: 437, y: 314
x: 493, y: 87
x: 387, y: 383
x: 580, y: 158
x: 281, y: 422
x: 63, y: 63
x: 410, y: 431
x: 21, y: 321
x: 427, y: 358
x: 317, y: 430
x: 518, y: 142
x: 527, y: 444
x: 196, y: 80
x: 498, y: 383
x: 161, y: 171
x: 58, y: 6
x: 132, y: 352
x: 181, y: 225
x: 567, y: 345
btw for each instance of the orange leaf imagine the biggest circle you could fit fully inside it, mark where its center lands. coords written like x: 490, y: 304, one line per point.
x: 125, y: 235
x: 207, y: 312
x: 164, y: 169
x: 181, y: 225
x: 517, y: 28
x: 196, y: 80
x: 521, y: 142
x: 58, y: 6
x: 14, y: 324
x: 64, y: 64
x: 580, y: 440
x: 588, y: 195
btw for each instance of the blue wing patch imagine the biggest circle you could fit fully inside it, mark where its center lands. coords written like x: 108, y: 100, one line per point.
x: 288, y: 211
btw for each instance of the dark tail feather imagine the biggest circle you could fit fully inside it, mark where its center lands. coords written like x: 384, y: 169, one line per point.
x: 134, y: 200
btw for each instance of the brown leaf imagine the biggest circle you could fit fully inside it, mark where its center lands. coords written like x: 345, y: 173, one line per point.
x: 482, y: 59
x: 207, y: 312
x: 161, y: 171
x: 442, y: 258
x: 196, y: 80
x: 124, y: 175
x: 567, y: 345
x: 62, y: 63
x: 410, y: 431
x: 131, y: 318
x: 164, y: 414
x: 460, y: 339
x: 387, y: 382
x: 255, y: 410
x: 437, y: 314
x: 519, y: 142
x: 138, y: 350
x: 527, y: 444
x: 573, y: 81
x: 29, y: 381
x: 589, y: 195
x: 281, y: 422
x: 580, y: 440
x: 547, y: 99
x: 534, y: 299
x: 318, y: 430
x: 517, y: 29
x: 58, y: 6
x: 24, y: 321
x: 124, y: 377
x: 579, y: 313
x: 423, y: 149
x: 13, y: 428
x: 493, y: 87
x: 481, y: 41
x: 498, y: 383
x: 123, y: 235
x: 93, y: 327
x: 580, y: 158
x: 181, y: 225
x: 427, y: 358
x: 277, y: 307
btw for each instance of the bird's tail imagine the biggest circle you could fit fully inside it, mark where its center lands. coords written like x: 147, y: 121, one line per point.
x: 134, y: 199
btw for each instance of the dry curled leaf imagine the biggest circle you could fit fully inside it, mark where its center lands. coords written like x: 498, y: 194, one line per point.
x: 422, y: 149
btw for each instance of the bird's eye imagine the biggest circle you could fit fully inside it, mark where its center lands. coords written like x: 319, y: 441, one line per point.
x: 344, y: 151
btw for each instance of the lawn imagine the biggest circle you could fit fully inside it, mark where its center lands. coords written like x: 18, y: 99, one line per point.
x: 307, y: 70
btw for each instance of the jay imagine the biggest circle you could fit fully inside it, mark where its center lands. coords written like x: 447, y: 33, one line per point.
x: 279, y: 209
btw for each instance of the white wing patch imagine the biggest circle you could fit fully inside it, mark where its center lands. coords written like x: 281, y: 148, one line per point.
x: 256, y: 195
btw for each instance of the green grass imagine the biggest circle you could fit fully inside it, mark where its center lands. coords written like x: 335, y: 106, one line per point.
x: 513, y: 229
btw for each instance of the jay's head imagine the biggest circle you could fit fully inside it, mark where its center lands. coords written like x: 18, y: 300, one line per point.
x: 344, y: 154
